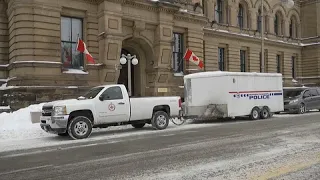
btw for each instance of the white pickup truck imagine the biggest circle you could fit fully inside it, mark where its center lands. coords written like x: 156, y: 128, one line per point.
x: 105, y: 106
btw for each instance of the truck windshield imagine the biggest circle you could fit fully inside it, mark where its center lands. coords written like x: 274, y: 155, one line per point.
x: 292, y: 93
x: 93, y: 92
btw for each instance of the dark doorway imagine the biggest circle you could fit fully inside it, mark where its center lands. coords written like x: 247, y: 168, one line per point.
x: 123, y: 77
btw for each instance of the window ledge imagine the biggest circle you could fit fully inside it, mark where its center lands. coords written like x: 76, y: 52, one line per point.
x: 178, y: 74
x: 74, y: 71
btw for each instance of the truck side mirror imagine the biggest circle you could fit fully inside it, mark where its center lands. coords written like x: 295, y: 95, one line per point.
x: 101, y: 98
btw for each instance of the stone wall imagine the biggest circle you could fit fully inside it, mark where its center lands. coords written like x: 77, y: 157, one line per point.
x: 4, y: 43
x: 24, y: 96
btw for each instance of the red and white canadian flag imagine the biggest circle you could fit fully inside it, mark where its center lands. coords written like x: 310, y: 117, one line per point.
x: 190, y: 56
x: 81, y: 46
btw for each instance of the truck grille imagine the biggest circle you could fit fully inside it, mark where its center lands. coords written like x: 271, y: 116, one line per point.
x: 47, y: 110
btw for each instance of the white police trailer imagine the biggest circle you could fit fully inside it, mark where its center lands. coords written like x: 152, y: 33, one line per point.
x: 223, y: 94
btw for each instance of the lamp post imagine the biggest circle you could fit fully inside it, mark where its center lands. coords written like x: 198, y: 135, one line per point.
x: 289, y: 4
x: 129, y: 59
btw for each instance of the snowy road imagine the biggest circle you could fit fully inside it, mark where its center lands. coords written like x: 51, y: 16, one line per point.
x: 279, y: 148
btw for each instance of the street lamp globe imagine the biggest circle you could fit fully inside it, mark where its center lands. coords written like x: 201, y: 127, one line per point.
x: 123, y: 60
x: 134, y: 61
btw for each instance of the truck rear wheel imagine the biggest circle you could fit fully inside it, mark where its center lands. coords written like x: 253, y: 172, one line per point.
x: 80, y: 127
x: 160, y: 120
x: 255, y: 113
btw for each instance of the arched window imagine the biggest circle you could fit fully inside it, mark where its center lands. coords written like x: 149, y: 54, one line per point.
x: 278, y: 23
x: 241, y: 16
x: 219, y: 11
x: 259, y: 20
x: 293, y: 27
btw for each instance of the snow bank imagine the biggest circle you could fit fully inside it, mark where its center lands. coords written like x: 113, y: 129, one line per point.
x: 20, y: 119
x: 18, y: 125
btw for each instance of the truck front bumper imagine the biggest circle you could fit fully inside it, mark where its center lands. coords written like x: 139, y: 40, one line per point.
x: 55, y: 125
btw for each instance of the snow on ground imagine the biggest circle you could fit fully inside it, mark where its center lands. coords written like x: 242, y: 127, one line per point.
x: 18, y: 132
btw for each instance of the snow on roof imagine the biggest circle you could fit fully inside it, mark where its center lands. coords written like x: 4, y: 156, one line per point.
x: 75, y: 71
x: 257, y: 37
x: 227, y: 73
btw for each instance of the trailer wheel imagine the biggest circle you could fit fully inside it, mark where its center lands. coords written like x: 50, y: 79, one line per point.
x: 265, y: 113
x: 255, y: 113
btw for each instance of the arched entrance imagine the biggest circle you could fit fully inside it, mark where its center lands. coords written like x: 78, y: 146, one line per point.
x: 144, y: 53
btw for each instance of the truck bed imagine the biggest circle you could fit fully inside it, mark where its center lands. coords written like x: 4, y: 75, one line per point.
x: 142, y: 107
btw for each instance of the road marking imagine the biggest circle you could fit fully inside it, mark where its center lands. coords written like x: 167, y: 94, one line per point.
x: 276, y: 172
x: 74, y: 147
x: 55, y: 149
x: 25, y: 169
x: 168, y: 135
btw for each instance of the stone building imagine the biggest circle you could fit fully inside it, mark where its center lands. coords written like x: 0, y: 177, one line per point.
x: 38, y: 60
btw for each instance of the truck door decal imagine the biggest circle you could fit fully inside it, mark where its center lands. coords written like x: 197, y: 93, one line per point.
x: 256, y: 94
x: 111, y: 107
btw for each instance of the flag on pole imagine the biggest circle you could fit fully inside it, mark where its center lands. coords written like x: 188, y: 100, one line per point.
x: 190, y: 56
x: 81, y: 46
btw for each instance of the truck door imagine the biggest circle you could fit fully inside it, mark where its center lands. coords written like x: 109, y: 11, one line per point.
x: 113, y: 106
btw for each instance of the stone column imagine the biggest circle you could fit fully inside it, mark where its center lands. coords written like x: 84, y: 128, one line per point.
x: 209, y: 10
x: 158, y: 74
x: 253, y: 19
x: 195, y: 44
x: 285, y: 28
x: 110, y: 41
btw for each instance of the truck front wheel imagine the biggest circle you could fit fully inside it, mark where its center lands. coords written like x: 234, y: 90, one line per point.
x: 160, y: 120
x: 80, y: 127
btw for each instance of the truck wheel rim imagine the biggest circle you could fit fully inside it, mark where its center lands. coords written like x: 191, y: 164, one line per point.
x: 161, y: 120
x: 81, y: 128
x: 302, y: 108
x: 255, y: 114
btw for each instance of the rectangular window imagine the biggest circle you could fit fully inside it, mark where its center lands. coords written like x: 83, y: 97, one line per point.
x: 221, y: 59
x: 218, y: 11
x: 293, y: 67
x: 291, y: 29
x: 260, y: 58
x: 177, y: 53
x: 71, y: 30
x: 243, y: 61
x: 259, y: 23
x: 278, y: 61
x: 240, y: 16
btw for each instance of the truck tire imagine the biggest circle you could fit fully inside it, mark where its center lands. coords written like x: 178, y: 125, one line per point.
x: 255, y: 113
x: 80, y: 127
x: 302, y: 109
x: 160, y: 120
x: 265, y: 113
x: 138, y: 125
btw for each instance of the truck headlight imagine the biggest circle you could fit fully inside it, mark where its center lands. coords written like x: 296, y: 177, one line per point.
x: 293, y: 101
x: 59, y: 110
